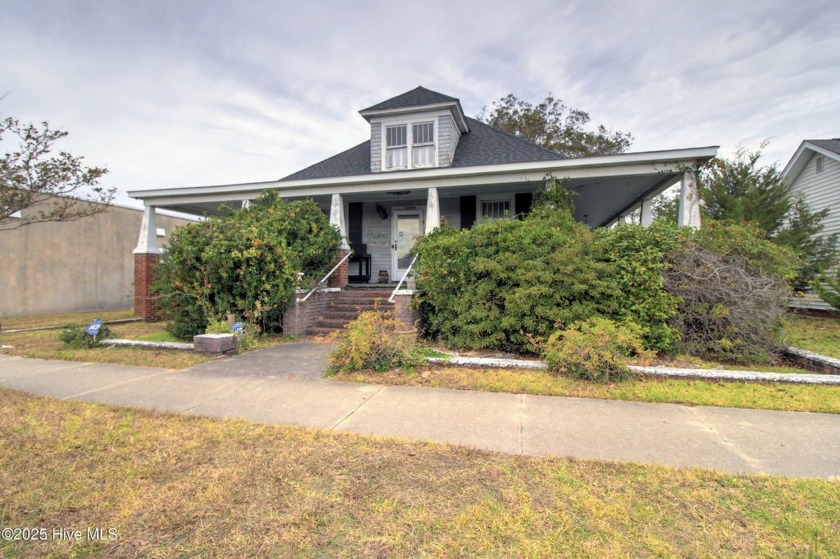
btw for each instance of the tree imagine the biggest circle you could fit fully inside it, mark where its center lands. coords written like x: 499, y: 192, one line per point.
x: 49, y: 186
x: 738, y: 190
x: 554, y: 126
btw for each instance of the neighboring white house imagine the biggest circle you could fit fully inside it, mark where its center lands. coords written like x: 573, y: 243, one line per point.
x: 814, y: 171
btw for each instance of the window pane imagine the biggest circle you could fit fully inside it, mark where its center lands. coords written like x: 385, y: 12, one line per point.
x: 423, y: 156
x: 496, y: 209
x: 396, y: 157
x: 395, y: 136
x: 423, y: 133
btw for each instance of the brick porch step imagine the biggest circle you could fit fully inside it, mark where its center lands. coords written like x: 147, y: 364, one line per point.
x: 347, y: 306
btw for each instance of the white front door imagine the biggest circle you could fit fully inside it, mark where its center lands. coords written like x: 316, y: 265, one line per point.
x: 406, y: 225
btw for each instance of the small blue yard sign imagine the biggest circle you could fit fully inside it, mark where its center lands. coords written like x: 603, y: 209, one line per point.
x: 237, y: 328
x: 93, y: 328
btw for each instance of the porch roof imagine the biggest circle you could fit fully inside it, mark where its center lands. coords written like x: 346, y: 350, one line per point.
x: 608, y: 186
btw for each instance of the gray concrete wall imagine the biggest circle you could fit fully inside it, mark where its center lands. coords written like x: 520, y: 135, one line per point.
x: 79, y: 265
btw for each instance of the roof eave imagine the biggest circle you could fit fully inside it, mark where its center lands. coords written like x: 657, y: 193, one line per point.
x: 687, y: 155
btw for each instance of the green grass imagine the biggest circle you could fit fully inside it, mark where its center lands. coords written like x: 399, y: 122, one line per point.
x: 179, y: 486
x: 765, y: 396
x: 817, y: 334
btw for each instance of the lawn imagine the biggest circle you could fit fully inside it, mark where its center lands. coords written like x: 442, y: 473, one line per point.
x: 60, y: 319
x: 177, y: 486
x: 764, y: 396
x: 44, y: 344
x: 817, y: 334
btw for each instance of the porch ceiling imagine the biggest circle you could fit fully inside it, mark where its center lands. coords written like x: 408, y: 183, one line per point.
x: 598, y: 202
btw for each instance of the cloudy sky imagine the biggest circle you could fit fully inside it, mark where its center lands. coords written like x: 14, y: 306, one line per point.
x: 181, y: 93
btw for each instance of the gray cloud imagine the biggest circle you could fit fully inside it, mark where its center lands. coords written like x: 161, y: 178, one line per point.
x: 182, y: 93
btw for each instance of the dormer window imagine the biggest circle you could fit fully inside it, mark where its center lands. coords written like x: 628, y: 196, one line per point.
x: 410, y: 146
x: 423, y: 145
x: 396, y: 147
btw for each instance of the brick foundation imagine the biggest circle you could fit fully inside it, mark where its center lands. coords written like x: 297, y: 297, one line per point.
x: 339, y: 277
x: 405, y: 313
x: 145, y: 272
x: 300, y: 317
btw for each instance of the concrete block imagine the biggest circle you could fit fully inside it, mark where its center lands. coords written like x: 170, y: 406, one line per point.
x: 216, y: 344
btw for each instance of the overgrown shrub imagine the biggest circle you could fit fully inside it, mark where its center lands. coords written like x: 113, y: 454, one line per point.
x: 639, y: 255
x: 245, y: 263
x: 509, y: 284
x: 732, y: 286
x: 373, y: 342
x: 595, y: 349
x: 74, y: 336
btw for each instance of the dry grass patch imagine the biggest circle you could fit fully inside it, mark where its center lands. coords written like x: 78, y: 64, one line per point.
x: 752, y: 395
x: 44, y: 344
x: 175, y: 486
x: 60, y: 319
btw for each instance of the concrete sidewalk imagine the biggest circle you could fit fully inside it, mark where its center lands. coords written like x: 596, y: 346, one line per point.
x: 280, y: 386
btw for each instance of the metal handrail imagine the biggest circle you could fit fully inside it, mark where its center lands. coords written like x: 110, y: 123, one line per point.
x: 405, y: 275
x: 340, y: 262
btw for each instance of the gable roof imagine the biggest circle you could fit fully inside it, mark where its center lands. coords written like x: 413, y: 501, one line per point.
x: 417, y: 97
x: 832, y: 145
x: 829, y: 148
x: 482, y: 145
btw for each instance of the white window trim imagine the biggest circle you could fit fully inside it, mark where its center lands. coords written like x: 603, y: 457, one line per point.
x: 409, y: 122
x: 493, y: 198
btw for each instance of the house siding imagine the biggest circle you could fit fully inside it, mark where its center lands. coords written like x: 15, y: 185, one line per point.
x: 821, y: 191
x: 376, y: 232
x: 376, y: 147
x: 448, y: 136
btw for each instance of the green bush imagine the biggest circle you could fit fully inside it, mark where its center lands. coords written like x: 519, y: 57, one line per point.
x: 595, y: 349
x: 639, y: 255
x: 508, y: 284
x: 74, y: 336
x: 245, y: 263
x: 373, y: 342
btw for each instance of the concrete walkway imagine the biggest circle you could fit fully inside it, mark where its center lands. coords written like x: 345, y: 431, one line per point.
x: 281, y: 385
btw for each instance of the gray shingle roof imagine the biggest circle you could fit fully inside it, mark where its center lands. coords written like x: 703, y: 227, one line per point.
x: 482, y: 145
x: 354, y: 161
x: 417, y: 97
x: 830, y: 145
x: 485, y: 145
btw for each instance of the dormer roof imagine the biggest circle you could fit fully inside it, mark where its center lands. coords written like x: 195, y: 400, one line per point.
x: 416, y: 100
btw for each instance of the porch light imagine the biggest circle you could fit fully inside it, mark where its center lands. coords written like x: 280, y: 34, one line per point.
x: 380, y: 211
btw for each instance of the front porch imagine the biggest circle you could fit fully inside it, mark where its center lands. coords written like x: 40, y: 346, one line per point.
x: 379, y: 216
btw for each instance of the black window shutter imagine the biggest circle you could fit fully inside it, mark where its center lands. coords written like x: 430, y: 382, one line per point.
x: 354, y: 222
x: 467, y: 211
x: 523, y: 202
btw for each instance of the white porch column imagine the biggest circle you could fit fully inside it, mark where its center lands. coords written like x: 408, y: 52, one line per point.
x: 147, y: 242
x: 689, y: 211
x: 432, y: 211
x: 337, y: 219
x: 246, y: 204
x: 647, y: 213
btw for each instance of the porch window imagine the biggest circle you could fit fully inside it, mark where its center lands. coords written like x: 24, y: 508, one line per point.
x: 396, y: 147
x: 423, y: 144
x: 489, y: 210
